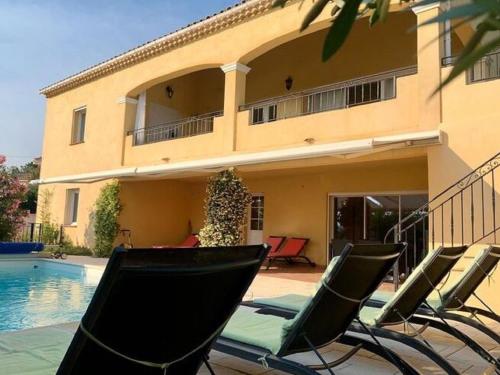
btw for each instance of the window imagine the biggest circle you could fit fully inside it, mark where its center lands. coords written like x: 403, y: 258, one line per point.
x: 368, y: 218
x: 72, y: 197
x: 263, y: 114
x: 257, y: 213
x: 78, y: 129
x: 486, y: 68
x: 364, y: 93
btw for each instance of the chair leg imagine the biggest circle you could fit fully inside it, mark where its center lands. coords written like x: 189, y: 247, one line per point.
x: 485, y: 313
x: 381, y: 351
x: 309, y: 261
x: 418, y: 319
x: 412, y: 343
x: 473, y: 323
x: 269, y: 261
x: 267, y: 360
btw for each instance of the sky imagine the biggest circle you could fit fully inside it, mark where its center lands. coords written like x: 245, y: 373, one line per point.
x: 44, y: 41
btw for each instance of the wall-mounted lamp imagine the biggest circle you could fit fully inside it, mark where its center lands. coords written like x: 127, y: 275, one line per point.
x: 289, y: 83
x: 170, y: 92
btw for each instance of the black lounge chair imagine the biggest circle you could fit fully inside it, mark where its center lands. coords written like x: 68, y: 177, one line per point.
x: 399, y: 309
x: 443, y: 304
x: 157, y: 311
x: 268, y: 335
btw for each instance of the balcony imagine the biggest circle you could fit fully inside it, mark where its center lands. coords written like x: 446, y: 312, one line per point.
x: 341, y: 95
x: 183, y: 128
x: 370, y: 106
x: 485, y: 69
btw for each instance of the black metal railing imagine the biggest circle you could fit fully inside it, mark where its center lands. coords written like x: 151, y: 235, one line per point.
x: 485, y: 69
x: 187, y: 127
x: 463, y: 214
x: 340, y: 95
x: 48, y: 234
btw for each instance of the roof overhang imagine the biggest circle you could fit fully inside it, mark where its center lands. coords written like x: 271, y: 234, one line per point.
x: 347, y: 149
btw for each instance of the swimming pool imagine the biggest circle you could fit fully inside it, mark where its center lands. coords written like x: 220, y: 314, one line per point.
x: 37, y: 292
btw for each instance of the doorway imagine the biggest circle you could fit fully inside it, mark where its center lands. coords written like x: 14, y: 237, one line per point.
x: 256, y: 220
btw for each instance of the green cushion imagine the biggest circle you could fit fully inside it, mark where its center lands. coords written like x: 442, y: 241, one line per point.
x: 381, y: 295
x: 293, y: 302
x: 264, y: 331
x: 368, y: 315
x: 296, y: 302
x: 268, y: 331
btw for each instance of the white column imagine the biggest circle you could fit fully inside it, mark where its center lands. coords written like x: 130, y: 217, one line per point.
x: 140, y: 117
x: 234, y: 96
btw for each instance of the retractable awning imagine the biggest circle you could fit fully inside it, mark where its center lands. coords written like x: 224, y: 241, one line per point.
x: 336, y: 149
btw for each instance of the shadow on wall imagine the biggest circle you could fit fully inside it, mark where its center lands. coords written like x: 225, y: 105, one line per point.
x: 471, y: 198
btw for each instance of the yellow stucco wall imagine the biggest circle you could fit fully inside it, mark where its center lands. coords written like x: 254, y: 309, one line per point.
x: 392, y: 116
x: 198, y: 90
x: 159, y: 211
x: 471, y: 118
x: 301, y: 58
x: 83, y: 232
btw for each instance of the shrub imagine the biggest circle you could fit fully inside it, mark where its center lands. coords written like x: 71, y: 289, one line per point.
x: 11, y: 196
x: 107, y: 211
x: 225, y: 210
x: 50, y: 230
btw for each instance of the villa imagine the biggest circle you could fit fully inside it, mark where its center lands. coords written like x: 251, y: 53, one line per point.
x: 339, y: 150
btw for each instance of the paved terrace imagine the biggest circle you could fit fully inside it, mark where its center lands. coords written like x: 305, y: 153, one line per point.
x: 38, y: 351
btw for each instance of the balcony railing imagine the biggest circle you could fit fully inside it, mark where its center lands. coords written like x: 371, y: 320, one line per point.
x: 364, y: 90
x: 485, y: 69
x: 187, y: 127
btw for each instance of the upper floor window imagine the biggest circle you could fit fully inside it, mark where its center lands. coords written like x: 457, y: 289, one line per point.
x: 78, y: 128
x: 263, y: 114
x: 72, y: 198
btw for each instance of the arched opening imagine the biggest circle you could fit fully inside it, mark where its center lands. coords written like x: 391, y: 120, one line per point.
x: 295, y: 69
x: 180, y: 107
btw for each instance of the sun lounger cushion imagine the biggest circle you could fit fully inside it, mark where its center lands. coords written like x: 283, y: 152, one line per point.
x: 369, y: 315
x: 293, y: 302
x: 296, y: 302
x: 268, y: 331
x: 263, y: 331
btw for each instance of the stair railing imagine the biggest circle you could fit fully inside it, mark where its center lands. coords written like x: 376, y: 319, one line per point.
x: 463, y: 214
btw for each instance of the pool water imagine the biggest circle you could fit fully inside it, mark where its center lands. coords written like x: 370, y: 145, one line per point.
x: 36, y: 293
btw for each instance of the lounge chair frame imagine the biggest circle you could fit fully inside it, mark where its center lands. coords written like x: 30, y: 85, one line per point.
x: 267, y: 359
x: 393, y: 316
x: 437, y: 318
x: 93, y: 337
x: 434, y: 319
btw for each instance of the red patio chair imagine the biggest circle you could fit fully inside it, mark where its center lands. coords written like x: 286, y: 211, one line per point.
x: 190, y: 241
x: 291, y: 250
x: 275, y: 242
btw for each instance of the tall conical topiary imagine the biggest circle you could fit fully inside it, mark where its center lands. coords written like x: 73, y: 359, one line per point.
x: 225, y: 210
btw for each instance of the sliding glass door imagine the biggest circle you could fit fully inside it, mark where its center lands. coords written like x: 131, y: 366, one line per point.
x: 367, y: 218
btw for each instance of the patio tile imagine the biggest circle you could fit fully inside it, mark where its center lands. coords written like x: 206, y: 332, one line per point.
x: 31, y: 339
x: 481, y: 370
x: 469, y: 356
x: 24, y: 363
x: 220, y: 370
